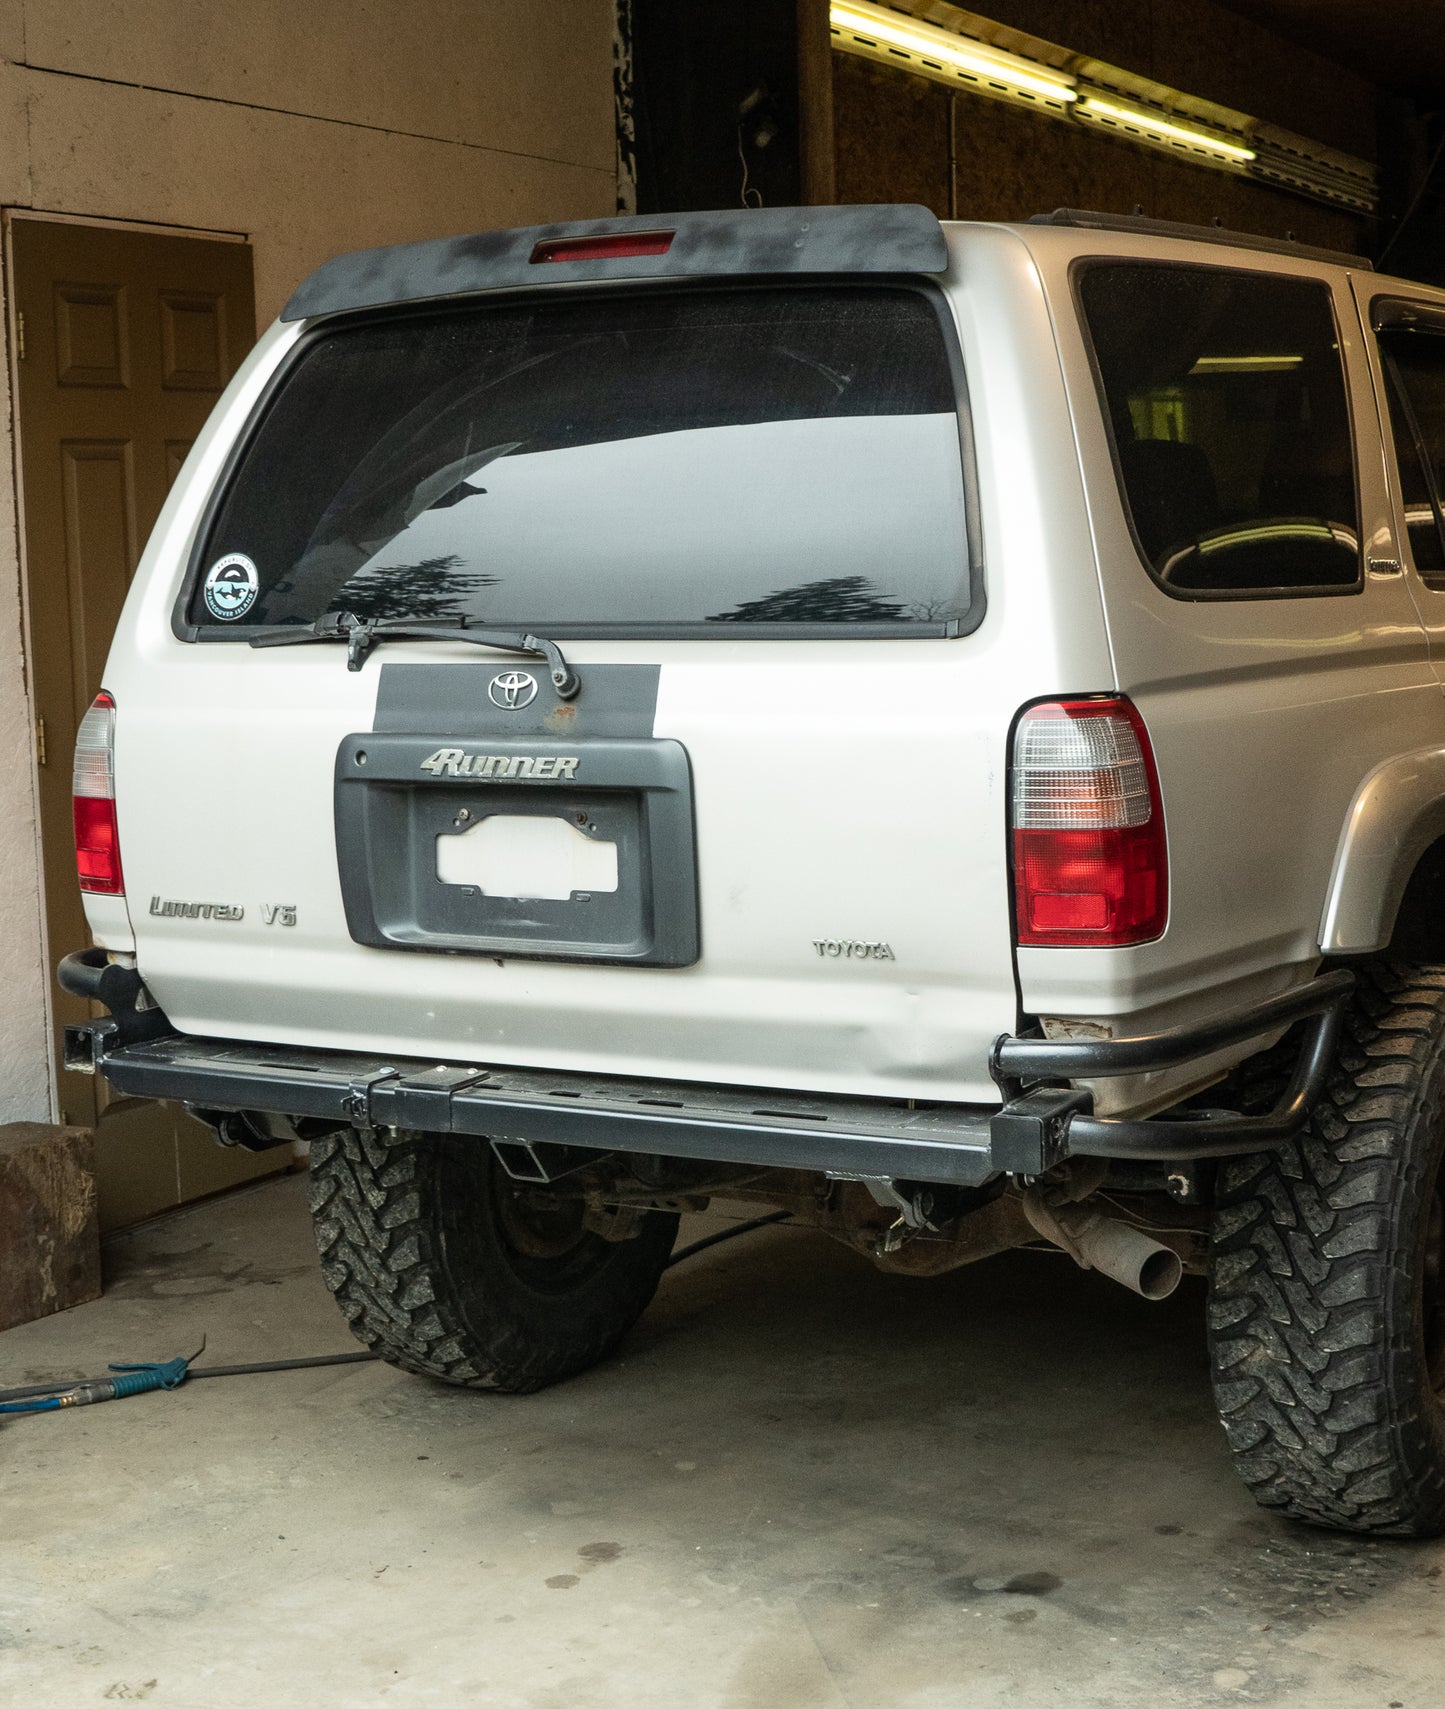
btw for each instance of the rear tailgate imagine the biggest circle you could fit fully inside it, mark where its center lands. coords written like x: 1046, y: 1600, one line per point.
x: 775, y: 848
x: 852, y: 918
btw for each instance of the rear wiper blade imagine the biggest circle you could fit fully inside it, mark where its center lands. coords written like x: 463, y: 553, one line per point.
x: 361, y: 635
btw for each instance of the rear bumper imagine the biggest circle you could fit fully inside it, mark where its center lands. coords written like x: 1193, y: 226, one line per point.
x: 1039, y: 1122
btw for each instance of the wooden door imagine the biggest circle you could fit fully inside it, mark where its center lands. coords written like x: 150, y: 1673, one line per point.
x: 123, y: 342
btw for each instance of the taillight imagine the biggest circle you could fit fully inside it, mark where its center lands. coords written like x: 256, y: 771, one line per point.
x: 1090, y: 861
x: 97, y: 840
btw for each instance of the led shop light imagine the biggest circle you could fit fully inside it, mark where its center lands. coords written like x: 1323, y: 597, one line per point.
x: 895, y: 35
x: 1154, y: 125
x: 1103, y: 97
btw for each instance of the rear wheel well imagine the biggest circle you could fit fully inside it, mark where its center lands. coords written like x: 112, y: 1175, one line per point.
x: 1419, y: 933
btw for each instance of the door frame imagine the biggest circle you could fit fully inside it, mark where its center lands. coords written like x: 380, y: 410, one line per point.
x: 9, y: 216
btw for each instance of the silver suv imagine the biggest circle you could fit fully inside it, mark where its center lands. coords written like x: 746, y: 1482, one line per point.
x: 938, y: 729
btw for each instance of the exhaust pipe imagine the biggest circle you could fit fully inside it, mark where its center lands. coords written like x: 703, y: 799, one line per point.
x: 1103, y: 1243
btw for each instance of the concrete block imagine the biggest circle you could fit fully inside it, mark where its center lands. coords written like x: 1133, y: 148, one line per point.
x: 49, y: 1234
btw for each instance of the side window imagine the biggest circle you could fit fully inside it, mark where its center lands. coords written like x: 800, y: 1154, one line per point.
x: 1225, y: 394
x: 1414, y: 364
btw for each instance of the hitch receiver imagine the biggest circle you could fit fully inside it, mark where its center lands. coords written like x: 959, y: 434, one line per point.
x: 1030, y: 1134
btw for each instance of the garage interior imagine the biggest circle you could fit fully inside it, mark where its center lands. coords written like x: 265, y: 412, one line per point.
x: 801, y: 1482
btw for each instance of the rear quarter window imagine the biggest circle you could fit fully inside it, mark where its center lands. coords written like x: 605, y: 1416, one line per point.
x: 1225, y: 398
x: 1413, y: 358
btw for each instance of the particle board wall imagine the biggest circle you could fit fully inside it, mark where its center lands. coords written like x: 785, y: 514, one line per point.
x: 1206, y: 50
x: 893, y: 142
x: 307, y: 130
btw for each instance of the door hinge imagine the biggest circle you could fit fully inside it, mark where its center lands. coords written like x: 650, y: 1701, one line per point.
x: 40, y: 741
x: 19, y: 335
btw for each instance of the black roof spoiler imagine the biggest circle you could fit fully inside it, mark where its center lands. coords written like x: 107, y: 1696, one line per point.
x: 878, y: 238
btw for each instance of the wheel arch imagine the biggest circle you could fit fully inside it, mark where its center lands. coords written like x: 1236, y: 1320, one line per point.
x: 1391, y: 844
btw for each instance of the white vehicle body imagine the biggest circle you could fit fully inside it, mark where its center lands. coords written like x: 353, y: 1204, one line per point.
x: 993, y: 791
x: 848, y: 792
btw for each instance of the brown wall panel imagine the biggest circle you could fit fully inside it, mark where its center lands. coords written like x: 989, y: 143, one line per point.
x: 891, y: 136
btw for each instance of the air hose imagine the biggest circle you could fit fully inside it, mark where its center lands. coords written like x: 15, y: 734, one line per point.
x: 138, y: 1379
x: 171, y: 1373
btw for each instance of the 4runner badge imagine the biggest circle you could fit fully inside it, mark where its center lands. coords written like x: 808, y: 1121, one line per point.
x: 457, y: 762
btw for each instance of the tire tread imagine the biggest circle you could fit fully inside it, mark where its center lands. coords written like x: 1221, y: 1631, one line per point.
x: 1312, y: 1326
x: 408, y: 1294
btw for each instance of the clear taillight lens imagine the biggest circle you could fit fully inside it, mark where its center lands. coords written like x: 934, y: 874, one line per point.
x: 97, y: 837
x: 1089, y: 855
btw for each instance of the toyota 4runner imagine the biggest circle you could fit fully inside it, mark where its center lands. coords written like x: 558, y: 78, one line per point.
x: 938, y: 729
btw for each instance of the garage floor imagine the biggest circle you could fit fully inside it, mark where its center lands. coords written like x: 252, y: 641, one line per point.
x: 803, y: 1485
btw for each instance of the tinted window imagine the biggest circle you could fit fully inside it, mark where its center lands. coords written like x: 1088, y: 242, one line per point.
x: 1415, y: 383
x: 751, y: 456
x: 1226, y: 396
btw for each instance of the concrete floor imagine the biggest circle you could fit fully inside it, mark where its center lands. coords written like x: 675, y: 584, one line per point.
x: 803, y: 1485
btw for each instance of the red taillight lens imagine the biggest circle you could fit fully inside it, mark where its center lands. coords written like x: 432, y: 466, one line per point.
x: 614, y: 246
x: 97, y: 838
x: 1091, y: 865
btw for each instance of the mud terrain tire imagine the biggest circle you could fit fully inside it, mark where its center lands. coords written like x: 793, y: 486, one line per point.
x: 1326, y: 1309
x: 446, y: 1269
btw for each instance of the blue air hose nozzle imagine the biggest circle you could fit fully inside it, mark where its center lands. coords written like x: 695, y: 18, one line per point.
x: 128, y: 1380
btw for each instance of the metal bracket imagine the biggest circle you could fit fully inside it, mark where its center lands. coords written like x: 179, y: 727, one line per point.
x: 83, y: 1046
x: 911, y: 1212
x: 538, y: 1163
x: 1031, y: 1134
x: 913, y: 1208
x: 358, y: 1097
x: 421, y: 1101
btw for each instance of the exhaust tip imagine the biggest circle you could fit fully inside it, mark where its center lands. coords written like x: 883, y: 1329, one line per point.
x: 1116, y: 1249
x: 1159, y: 1274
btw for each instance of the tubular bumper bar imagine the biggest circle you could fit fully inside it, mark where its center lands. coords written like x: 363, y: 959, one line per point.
x: 141, y: 1055
x: 1016, y: 1061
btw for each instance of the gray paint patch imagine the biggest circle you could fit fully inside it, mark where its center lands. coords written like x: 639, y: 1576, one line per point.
x: 614, y: 700
x: 899, y: 237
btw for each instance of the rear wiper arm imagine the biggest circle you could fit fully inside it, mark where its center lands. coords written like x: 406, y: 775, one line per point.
x: 361, y: 635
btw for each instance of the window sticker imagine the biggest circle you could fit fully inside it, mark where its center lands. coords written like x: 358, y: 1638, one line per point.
x: 231, y: 585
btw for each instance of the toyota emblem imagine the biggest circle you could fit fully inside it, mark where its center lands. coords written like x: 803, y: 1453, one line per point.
x: 512, y: 690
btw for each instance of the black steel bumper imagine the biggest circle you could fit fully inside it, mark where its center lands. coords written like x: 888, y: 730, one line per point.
x: 1040, y: 1123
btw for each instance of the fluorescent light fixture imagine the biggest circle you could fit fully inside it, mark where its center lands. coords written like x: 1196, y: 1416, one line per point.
x: 942, y: 48
x: 1104, y: 98
x: 1246, y: 364
x: 1153, y: 126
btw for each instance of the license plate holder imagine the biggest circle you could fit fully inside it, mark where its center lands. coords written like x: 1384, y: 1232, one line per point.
x: 397, y: 793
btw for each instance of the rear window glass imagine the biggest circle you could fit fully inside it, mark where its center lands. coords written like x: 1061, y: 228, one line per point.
x: 1225, y: 394
x: 604, y: 465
